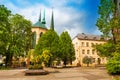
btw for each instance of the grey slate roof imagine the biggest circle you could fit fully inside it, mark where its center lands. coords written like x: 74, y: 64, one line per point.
x: 83, y: 36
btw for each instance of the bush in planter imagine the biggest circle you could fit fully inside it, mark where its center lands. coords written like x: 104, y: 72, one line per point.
x: 35, y: 66
x: 36, y: 63
x: 113, y: 65
x: 87, y: 60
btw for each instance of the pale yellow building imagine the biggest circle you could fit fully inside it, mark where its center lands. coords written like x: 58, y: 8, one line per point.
x: 83, y: 47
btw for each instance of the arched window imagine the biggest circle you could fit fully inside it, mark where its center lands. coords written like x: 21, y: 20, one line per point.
x: 41, y: 34
x: 34, y: 40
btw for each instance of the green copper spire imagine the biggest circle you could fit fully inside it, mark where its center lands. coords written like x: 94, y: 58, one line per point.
x: 52, y: 21
x: 43, y: 20
x: 40, y: 16
x: 39, y: 23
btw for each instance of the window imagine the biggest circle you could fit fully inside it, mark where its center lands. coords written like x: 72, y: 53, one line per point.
x: 96, y: 43
x: 88, y: 51
x: 34, y: 40
x: 83, y: 51
x: 87, y: 44
x: 82, y: 43
x: 92, y: 44
x: 93, y: 60
x: 41, y: 34
x: 93, y: 51
x: 76, y: 50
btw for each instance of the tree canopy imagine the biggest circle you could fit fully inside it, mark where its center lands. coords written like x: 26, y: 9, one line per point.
x: 105, y: 50
x: 48, y: 41
x: 108, y: 21
x: 67, y: 53
x: 15, y: 34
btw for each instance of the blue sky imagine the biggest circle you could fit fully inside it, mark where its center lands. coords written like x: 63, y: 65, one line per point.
x: 75, y: 16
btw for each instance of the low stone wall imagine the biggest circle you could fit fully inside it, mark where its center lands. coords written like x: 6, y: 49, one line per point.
x: 36, y: 72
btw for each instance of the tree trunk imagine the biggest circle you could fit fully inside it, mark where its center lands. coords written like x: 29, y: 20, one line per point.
x: 8, y: 60
x: 115, y: 30
x: 65, y: 62
x: 70, y: 61
x: 88, y: 65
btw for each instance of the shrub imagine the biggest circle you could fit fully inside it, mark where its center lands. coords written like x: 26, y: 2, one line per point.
x: 87, y: 60
x: 4, y: 68
x: 35, y: 66
x: 113, y: 65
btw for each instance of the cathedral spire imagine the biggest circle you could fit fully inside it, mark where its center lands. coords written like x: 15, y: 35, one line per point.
x: 40, y: 16
x: 52, y: 21
x: 43, y: 20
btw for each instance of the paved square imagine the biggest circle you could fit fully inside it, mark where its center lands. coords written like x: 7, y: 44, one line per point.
x: 58, y: 74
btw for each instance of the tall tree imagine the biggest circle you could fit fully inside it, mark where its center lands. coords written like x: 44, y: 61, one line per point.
x: 15, y: 35
x: 48, y: 41
x: 105, y: 50
x: 108, y: 21
x: 67, y: 53
x: 4, y: 23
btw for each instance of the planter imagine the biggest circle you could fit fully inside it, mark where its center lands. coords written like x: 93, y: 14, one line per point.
x: 36, y: 72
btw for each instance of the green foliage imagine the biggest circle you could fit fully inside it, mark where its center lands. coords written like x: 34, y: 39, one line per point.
x: 105, y: 50
x: 87, y: 60
x: 48, y: 41
x: 116, y: 79
x: 15, y: 34
x: 108, y: 21
x: 117, y: 47
x: 67, y: 53
x: 113, y: 65
x: 41, y: 58
x: 37, y: 59
x: 105, y: 10
x: 36, y: 66
x: 46, y: 55
x: 4, y: 68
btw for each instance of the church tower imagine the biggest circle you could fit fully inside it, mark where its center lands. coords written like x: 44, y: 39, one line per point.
x: 38, y: 29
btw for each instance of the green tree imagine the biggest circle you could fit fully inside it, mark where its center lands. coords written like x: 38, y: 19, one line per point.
x: 105, y: 50
x: 4, y: 24
x: 15, y: 35
x: 87, y: 60
x: 108, y: 21
x: 113, y: 65
x: 48, y: 41
x: 67, y: 53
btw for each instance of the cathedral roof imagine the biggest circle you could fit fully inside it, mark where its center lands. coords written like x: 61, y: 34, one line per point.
x: 39, y: 24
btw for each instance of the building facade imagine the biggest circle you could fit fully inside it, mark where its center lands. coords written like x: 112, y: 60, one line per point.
x: 83, y: 45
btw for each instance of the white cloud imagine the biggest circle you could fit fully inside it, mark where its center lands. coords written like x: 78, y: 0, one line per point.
x: 66, y: 18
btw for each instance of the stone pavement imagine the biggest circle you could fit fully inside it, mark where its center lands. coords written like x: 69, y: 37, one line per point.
x: 58, y: 74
